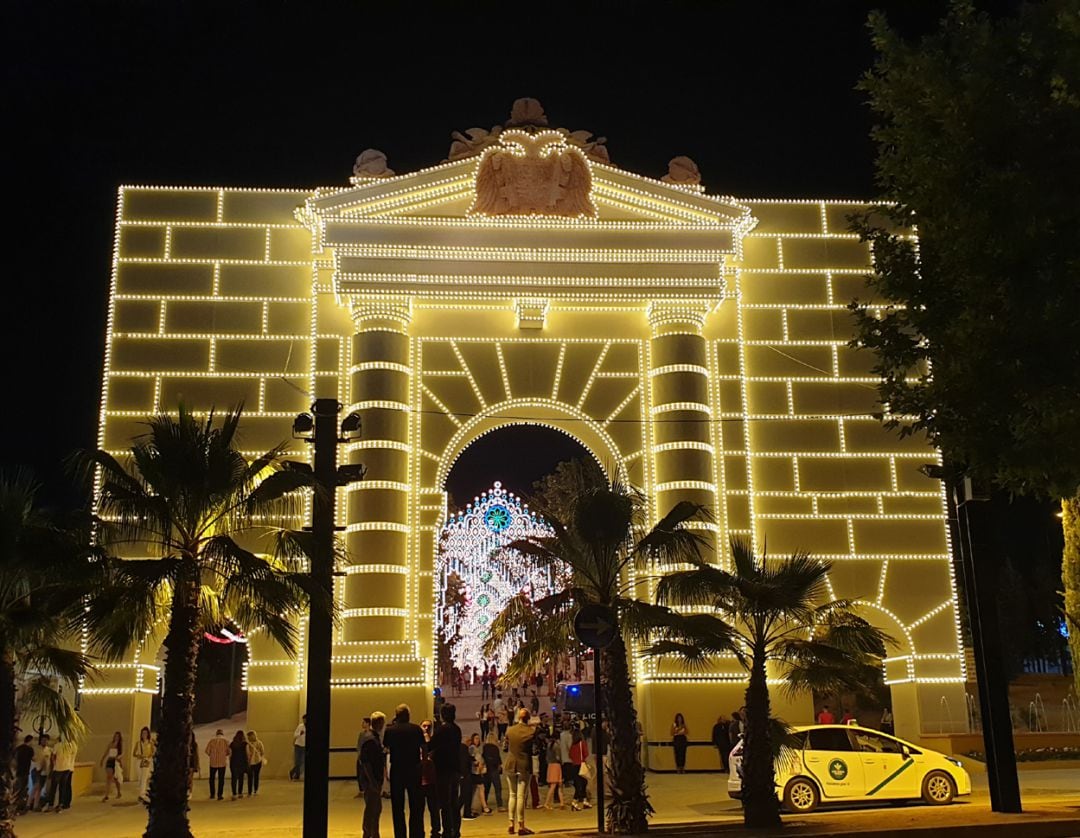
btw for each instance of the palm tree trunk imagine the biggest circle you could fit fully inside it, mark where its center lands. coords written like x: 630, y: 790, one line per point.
x: 760, y: 806
x: 7, y: 731
x: 629, y: 807
x: 169, y: 781
x: 1070, y: 577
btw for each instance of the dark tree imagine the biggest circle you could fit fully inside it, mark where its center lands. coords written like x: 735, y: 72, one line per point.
x: 975, y: 326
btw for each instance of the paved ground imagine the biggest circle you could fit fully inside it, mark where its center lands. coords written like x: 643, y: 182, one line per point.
x: 685, y: 803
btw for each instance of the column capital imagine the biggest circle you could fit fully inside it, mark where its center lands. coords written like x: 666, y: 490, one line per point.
x: 384, y: 314
x: 678, y: 317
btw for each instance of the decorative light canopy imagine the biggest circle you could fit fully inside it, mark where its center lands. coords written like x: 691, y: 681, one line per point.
x: 472, y: 549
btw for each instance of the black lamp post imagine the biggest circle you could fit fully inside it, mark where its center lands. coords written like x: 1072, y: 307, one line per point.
x: 320, y: 428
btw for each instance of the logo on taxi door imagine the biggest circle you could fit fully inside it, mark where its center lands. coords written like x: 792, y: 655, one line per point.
x: 838, y: 769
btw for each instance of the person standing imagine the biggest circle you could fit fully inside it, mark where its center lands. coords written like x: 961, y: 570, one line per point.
x: 62, y: 772
x: 143, y: 759
x: 445, y: 748
x: 113, y: 760
x: 478, y: 770
x: 373, y: 770
x: 365, y: 732
x: 404, y: 742
x: 427, y: 778
x: 735, y: 729
x: 24, y: 760
x: 887, y: 720
x: 492, y: 770
x: 502, y: 716
x: 238, y: 764
x: 721, y: 742
x: 680, y: 739
x: 826, y: 717
x: 299, y: 747
x: 566, y: 739
x: 256, y: 754
x: 579, y: 753
x: 519, y: 739
x: 39, y: 772
x: 554, y: 772
x: 217, y: 749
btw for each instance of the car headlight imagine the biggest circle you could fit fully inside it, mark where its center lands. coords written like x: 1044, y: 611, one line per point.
x: 955, y: 762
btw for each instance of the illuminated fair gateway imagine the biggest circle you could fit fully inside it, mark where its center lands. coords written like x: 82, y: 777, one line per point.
x: 472, y: 553
x: 696, y: 344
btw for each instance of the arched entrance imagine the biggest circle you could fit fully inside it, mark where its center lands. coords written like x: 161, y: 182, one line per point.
x: 475, y: 576
x: 479, y: 575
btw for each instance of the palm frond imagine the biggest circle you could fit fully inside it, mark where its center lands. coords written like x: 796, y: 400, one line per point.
x: 131, y: 599
x: 670, y: 541
x: 704, y: 585
x: 39, y: 698
x: 693, y: 656
x: 68, y: 665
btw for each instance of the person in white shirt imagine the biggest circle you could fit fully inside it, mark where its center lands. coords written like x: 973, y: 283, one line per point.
x: 62, y: 772
x: 299, y: 748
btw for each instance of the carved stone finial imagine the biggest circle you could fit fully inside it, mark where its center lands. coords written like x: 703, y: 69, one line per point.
x: 527, y: 112
x: 682, y: 171
x: 371, y: 164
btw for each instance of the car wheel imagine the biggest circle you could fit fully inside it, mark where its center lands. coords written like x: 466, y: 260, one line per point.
x: 938, y: 788
x: 801, y: 796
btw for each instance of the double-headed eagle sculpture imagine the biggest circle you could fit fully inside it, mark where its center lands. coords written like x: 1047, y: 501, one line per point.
x: 533, y: 173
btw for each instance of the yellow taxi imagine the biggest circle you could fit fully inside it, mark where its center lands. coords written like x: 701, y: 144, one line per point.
x: 852, y: 764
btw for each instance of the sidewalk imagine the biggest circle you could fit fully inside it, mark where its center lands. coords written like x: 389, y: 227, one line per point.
x: 689, y: 804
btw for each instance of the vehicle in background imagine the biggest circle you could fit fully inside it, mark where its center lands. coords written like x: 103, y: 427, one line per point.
x: 848, y: 763
x: 575, y: 698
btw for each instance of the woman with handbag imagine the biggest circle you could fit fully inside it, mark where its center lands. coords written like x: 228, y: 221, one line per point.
x: 579, y: 754
x: 143, y: 757
x: 256, y: 757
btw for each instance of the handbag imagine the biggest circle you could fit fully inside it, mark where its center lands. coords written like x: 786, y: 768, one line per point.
x: 585, y: 771
x: 118, y: 771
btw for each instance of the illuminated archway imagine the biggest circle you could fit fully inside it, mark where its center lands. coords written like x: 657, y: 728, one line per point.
x: 478, y: 575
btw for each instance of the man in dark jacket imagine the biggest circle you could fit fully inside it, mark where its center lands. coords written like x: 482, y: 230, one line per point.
x: 445, y: 749
x: 404, y: 741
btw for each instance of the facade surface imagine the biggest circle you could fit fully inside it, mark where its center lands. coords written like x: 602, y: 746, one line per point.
x: 697, y: 345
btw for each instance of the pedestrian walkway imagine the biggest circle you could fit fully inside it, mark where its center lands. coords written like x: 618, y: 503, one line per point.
x: 691, y: 804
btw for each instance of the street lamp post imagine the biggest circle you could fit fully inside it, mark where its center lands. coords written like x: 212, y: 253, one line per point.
x: 980, y: 577
x: 320, y: 429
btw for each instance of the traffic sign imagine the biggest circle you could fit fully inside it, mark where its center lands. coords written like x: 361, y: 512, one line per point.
x: 594, y: 626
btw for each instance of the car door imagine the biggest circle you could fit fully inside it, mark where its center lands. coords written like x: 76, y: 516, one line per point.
x: 833, y: 762
x: 887, y: 771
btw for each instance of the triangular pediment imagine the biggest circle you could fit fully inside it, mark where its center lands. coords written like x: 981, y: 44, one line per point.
x: 447, y: 191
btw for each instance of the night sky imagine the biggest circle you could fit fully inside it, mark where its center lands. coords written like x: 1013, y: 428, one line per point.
x: 287, y: 94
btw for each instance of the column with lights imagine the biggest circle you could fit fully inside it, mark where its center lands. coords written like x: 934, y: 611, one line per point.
x: 683, y: 469
x: 377, y: 649
x: 681, y: 411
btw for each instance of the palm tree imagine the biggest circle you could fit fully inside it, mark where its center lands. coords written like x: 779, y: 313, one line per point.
x: 192, y: 497
x: 767, y: 611
x: 598, y: 545
x: 44, y: 572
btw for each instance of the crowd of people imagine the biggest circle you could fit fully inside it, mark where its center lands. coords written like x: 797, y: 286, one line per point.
x: 43, y: 772
x: 435, y: 776
x: 244, y: 756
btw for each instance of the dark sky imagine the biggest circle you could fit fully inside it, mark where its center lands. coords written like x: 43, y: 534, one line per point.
x: 287, y: 94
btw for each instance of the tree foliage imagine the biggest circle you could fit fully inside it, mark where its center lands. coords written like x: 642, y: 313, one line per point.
x: 45, y: 570
x: 185, y: 493
x: 767, y: 612
x: 599, y: 534
x: 975, y: 326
